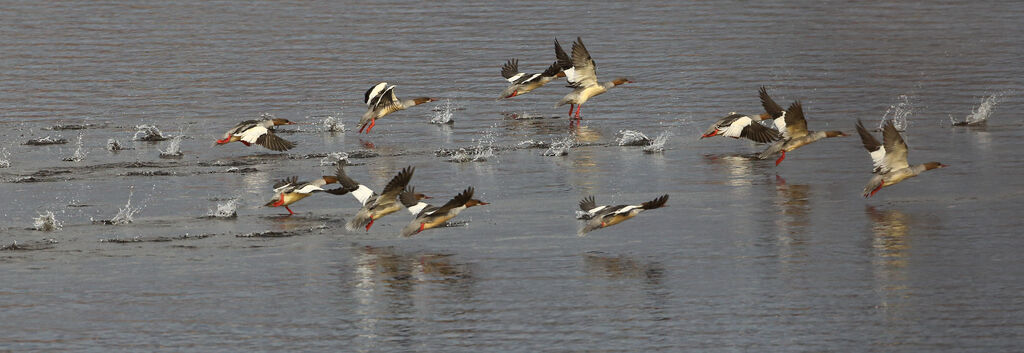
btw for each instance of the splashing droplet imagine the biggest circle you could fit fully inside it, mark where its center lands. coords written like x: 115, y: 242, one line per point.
x: 47, y: 222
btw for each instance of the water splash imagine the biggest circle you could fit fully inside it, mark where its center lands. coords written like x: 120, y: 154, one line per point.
x: 225, y: 210
x: 332, y: 124
x: 483, y: 150
x: 79, y: 154
x: 899, y: 113
x: 443, y: 113
x: 658, y: 144
x: 5, y: 158
x: 114, y: 146
x: 126, y: 214
x: 148, y: 133
x: 47, y: 222
x: 334, y: 158
x: 173, y: 148
x: 982, y: 112
x: 560, y: 147
x: 632, y: 138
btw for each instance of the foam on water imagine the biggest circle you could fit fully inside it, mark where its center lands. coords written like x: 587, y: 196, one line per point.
x: 46, y: 222
x: 443, y: 113
x: 113, y: 145
x: 5, y: 158
x: 632, y: 138
x: 147, y: 132
x: 225, y: 210
x: 560, y: 147
x: 126, y: 214
x: 331, y: 124
x: 899, y: 113
x: 79, y: 154
x: 658, y: 144
x: 334, y: 158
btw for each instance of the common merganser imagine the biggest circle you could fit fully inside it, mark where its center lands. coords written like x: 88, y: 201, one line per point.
x: 521, y: 83
x: 259, y: 132
x: 290, y: 190
x: 583, y: 78
x: 890, y: 159
x: 382, y: 101
x: 607, y: 216
x: 375, y: 205
x: 796, y: 134
x: 739, y: 125
x: 428, y: 216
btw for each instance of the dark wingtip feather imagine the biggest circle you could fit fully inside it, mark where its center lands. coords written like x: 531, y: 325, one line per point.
x: 588, y: 203
x: 656, y: 203
x: 408, y: 197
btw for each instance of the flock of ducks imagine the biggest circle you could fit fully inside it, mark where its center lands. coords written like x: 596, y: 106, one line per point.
x: 786, y: 130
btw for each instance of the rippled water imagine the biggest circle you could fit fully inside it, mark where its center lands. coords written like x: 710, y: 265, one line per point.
x: 747, y: 257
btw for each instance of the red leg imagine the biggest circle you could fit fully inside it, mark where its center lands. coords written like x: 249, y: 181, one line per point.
x: 421, y: 227
x: 783, y: 156
x: 246, y: 143
x: 361, y: 128
x: 279, y: 202
x: 578, y: 106
x: 570, y: 110
x: 289, y: 210
x: 368, y: 225
x: 372, y: 123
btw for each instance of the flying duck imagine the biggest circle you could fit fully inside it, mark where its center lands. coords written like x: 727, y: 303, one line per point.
x: 381, y: 101
x: 796, y: 134
x: 607, y: 216
x: 889, y: 159
x: 583, y: 78
x: 428, y: 216
x: 290, y: 190
x: 375, y: 205
x: 259, y: 132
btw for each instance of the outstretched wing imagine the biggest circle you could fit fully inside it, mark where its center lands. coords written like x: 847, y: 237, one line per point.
x: 895, y: 147
x: 458, y: 201
x: 656, y: 203
x: 510, y: 71
x: 359, y: 191
x: 397, y: 183
x: 584, y: 69
x: 773, y: 109
x: 796, y: 125
x: 408, y: 199
x: 373, y: 93
x: 759, y: 133
x: 274, y: 143
x: 875, y: 149
x: 285, y: 184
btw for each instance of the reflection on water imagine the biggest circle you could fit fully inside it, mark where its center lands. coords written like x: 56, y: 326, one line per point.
x: 598, y: 264
x: 740, y: 168
x: 793, y: 202
x: 890, y: 231
x: 394, y: 290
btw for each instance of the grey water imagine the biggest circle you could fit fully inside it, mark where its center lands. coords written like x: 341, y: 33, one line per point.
x: 122, y: 250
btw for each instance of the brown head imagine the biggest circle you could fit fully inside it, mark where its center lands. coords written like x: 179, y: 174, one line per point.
x: 835, y: 134
x: 934, y: 165
x: 475, y: 202
x: 560, y: 74
x: 279, y: 121
x: 621, y: 80
x: 422, y: 100
x: 330, y: 179
x: 420, y: 196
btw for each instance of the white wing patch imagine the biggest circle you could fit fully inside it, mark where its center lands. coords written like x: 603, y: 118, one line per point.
x: 308, y: 189
x: 516, y: 77
x: 252, y: 134
x: 532, y: 77
x: 597, y: 209
x: 737, y: 126
x: 627, y: 209
x: 878, y: 159
x: 570, y: 74
x: 780, y: 124
x: 376, y: 92
x: 362, y: 193
x: 415, y: 209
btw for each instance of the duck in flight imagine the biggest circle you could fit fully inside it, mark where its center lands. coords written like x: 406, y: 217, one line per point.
x: 583, y: 79
x: 796, y: 134
x: 260, y: 132
x: 428, y: 216
x: 606, y: 216
x: 381, y: 100
x: 290, y: 190
x: 889, y: 158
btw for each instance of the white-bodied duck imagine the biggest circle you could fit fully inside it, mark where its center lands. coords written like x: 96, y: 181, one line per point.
x: 260, y: 132
x: 290, y: 190
x: 521, y: 83
x: 739, y: 125
x: 381, y: 100
x: 889, y: 159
